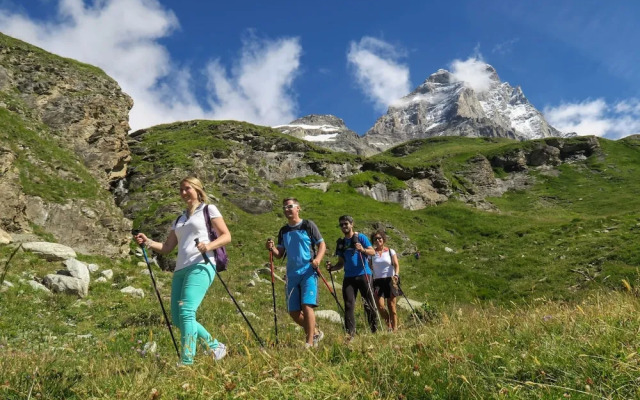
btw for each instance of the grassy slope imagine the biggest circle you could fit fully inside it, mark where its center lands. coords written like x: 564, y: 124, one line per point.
x: 571, y: 238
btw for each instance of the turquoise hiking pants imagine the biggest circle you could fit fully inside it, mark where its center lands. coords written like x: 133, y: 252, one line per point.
x: 188, y: 288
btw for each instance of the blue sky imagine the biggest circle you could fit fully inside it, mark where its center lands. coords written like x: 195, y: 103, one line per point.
x: 271, y: 62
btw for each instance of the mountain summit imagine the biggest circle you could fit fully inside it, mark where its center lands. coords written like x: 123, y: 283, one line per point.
x: 445, y: 105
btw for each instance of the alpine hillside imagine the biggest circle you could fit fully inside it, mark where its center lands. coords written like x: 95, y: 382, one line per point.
x: 526, y: 284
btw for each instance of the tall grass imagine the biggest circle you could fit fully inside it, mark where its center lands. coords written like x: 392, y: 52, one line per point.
x: 57, y: 347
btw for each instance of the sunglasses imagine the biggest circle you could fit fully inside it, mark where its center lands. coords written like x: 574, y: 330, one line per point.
x: 288, y: 207
x: 378, y: 238
x: 344, y: 224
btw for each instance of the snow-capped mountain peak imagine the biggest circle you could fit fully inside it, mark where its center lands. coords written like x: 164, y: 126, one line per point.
x: 471, y: 104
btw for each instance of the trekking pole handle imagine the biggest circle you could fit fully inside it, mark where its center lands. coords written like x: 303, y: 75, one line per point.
x: 204, y: 253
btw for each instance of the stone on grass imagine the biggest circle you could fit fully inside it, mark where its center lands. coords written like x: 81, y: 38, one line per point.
x: 78, y: 270
x: 329, y: 315
x: 107, y: 274
x: 65, y: 284
x: 38, y: 286
x: 50, y: 251
x: 133, y: 291
x: 5, y: 238
x: 402, y: 303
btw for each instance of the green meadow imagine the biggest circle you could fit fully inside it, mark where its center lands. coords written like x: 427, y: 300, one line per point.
x: 536, y: 300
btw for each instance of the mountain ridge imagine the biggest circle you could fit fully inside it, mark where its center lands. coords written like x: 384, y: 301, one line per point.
x: 441, y: 106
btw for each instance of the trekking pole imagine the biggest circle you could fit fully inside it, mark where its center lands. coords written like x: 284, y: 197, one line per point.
x: 206, y: 258
x: 415, y: 315
x: 6, y: 265
x: 333, y: 285
x: 273, y: 292
x: 370, y: 286
x: 164, y: 312
x: 329, y: 289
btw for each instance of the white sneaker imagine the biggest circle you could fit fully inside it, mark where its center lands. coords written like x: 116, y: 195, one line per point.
x: 219, y: 352
x: 317, y: 338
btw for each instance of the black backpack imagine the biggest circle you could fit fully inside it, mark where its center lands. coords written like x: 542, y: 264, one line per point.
x: 341, y: 246
x: 219, y: 254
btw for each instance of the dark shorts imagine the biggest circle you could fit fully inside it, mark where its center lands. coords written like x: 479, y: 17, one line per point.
x: 385, y: 287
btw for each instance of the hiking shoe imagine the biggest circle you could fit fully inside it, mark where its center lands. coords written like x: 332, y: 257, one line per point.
x: 219, y: 352
x: 317, y: 338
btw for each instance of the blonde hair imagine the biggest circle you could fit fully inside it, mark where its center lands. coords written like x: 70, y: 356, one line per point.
x: 197, y: 185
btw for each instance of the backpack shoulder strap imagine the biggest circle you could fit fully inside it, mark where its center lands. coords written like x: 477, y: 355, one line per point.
x: 307, y: 227
x: 212, y: 233
x: 175, y: 223
x: 280, y: 240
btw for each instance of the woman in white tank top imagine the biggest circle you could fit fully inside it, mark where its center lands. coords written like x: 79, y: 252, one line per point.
x: 385, y: 278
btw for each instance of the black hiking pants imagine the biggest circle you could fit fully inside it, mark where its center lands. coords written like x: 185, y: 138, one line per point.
x: 350, y: 288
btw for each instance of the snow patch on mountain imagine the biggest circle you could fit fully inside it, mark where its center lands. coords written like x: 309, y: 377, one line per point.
x: 330, y: 137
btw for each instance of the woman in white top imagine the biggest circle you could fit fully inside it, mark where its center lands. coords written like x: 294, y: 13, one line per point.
x: 385, y: 278
x: 193, y: 275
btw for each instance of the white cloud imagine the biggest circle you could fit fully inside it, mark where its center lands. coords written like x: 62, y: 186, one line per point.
x: 379, y: 74
x: 121, y: 37
x: 257, y: 88
x: 631, y: 106
x: 505, y: 47
x: 473, y: 73
x: 596, y: 117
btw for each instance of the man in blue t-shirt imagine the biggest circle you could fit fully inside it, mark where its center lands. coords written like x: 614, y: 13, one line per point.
x: 353, y: 251
x: 298, y: 239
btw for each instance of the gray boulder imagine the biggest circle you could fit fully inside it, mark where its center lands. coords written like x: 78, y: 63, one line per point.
x: 65, y: 284
x: 133, y: 291
x: 107, y: 274
x: 50, y: 251
x: 329, y: 315
x: 79, y: 270
x: 38, y: 286
x: 5, y: 238
x: 406, y: 305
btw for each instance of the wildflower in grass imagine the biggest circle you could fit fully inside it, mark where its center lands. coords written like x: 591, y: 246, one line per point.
x: 547, y: 318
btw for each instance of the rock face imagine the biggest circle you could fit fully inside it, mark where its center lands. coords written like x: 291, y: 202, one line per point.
x: 442, y: 106
x: 83, y: 107
x: 63, y: 129
x: 327, y: 131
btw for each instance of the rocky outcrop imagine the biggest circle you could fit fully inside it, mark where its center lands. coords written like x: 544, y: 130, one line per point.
x: 428, y: 186
x: 63, y: 127
x: 85, y: 109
